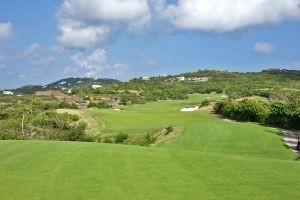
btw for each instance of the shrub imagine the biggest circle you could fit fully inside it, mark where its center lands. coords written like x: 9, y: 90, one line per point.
x: 99, y: 105
x: 205, y: 103
x: 169, y: 129
x: 108, y: 140
x: 76, y: 132
x: 120, y: 138
x: 67, y: 105
x: 281, y: 114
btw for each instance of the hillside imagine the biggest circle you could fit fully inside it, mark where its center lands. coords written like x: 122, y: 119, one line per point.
x: 275, y: 85
x: 65, y: 84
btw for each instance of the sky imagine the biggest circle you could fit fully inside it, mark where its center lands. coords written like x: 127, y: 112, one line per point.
x: 44, y: 41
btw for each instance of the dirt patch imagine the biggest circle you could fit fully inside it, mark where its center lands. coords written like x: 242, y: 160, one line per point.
x: 58, y: 95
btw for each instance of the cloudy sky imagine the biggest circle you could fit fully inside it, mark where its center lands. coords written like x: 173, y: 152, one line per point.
x: 43, y: 41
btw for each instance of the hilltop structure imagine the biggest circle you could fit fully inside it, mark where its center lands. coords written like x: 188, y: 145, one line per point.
x: 7, y: 93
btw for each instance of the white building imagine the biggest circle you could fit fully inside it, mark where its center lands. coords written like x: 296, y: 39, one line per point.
x: 62, y: 83
x: 145, y: 78
x: 96, y: 86
x: 7, y: 93
x: 198, y: 79
x: 181, y: 78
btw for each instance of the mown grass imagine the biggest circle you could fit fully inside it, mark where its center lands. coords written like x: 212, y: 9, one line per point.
x: 202, y: 131
x: 213, y: 159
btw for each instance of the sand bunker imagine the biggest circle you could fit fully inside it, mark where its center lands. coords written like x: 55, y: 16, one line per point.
x: 191, y: 109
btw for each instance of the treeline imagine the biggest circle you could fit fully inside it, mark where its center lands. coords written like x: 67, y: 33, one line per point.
x: 280, y: 114
x: 34, y: 118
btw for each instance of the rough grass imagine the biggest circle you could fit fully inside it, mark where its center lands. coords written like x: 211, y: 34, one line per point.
x: 95, y: 127
x: 213, y: 159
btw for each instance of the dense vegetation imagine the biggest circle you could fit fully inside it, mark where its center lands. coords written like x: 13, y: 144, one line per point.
x: 280, y: 114
x: 280, y: 88
x: 274, y: 84
x: 35, y: 118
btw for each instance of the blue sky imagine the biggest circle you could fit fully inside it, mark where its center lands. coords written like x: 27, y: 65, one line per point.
x: 43, y: 41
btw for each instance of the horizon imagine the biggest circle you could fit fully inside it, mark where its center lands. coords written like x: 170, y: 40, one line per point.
x: 42, y: 42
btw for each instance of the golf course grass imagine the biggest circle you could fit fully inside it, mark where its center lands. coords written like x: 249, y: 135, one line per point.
x: 213, y: 159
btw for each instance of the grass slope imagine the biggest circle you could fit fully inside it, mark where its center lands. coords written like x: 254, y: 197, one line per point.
x: 214, y: 159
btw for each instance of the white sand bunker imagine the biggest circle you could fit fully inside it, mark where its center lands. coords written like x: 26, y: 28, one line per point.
x: 191, y: 109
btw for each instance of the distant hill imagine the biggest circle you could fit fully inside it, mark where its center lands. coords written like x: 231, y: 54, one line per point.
x: 283, y: 73
x: 66, y: 83
x: 271, y: 72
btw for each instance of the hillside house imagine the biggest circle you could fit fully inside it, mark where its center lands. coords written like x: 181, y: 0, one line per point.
x: 96, y: 86
x: 145, y: 78
x: 7, y: 93
x: 181, y: 78
x: 197, y: 79
x: 63, y: 83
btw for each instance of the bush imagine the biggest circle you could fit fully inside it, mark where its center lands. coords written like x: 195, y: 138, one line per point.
x: 120, y: 138
x: 108, y: 140
x: 99, y: 105
x: 205, y: 103
x: 169, y: 129
x: 245, y: 110
x: 67, y: 105
x: 76, y: 132
x: 281, y: 114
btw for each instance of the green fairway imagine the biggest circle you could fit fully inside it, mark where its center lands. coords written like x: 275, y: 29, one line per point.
x: 213, y: 159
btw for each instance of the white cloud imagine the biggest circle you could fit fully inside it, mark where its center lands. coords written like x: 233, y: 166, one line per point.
x: 2, y: 59
x: 6, y: 31
x: 120, y: 68
x: 229, y: 15
x: 31, y: 50
x: 85, y: 24
x: 77, y: 35
x: 104, y: 11
x: 57, y: 49
x: 94, y: 64
x: 37, y: 55
x: 44, y: 61
x: 263, y: 48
